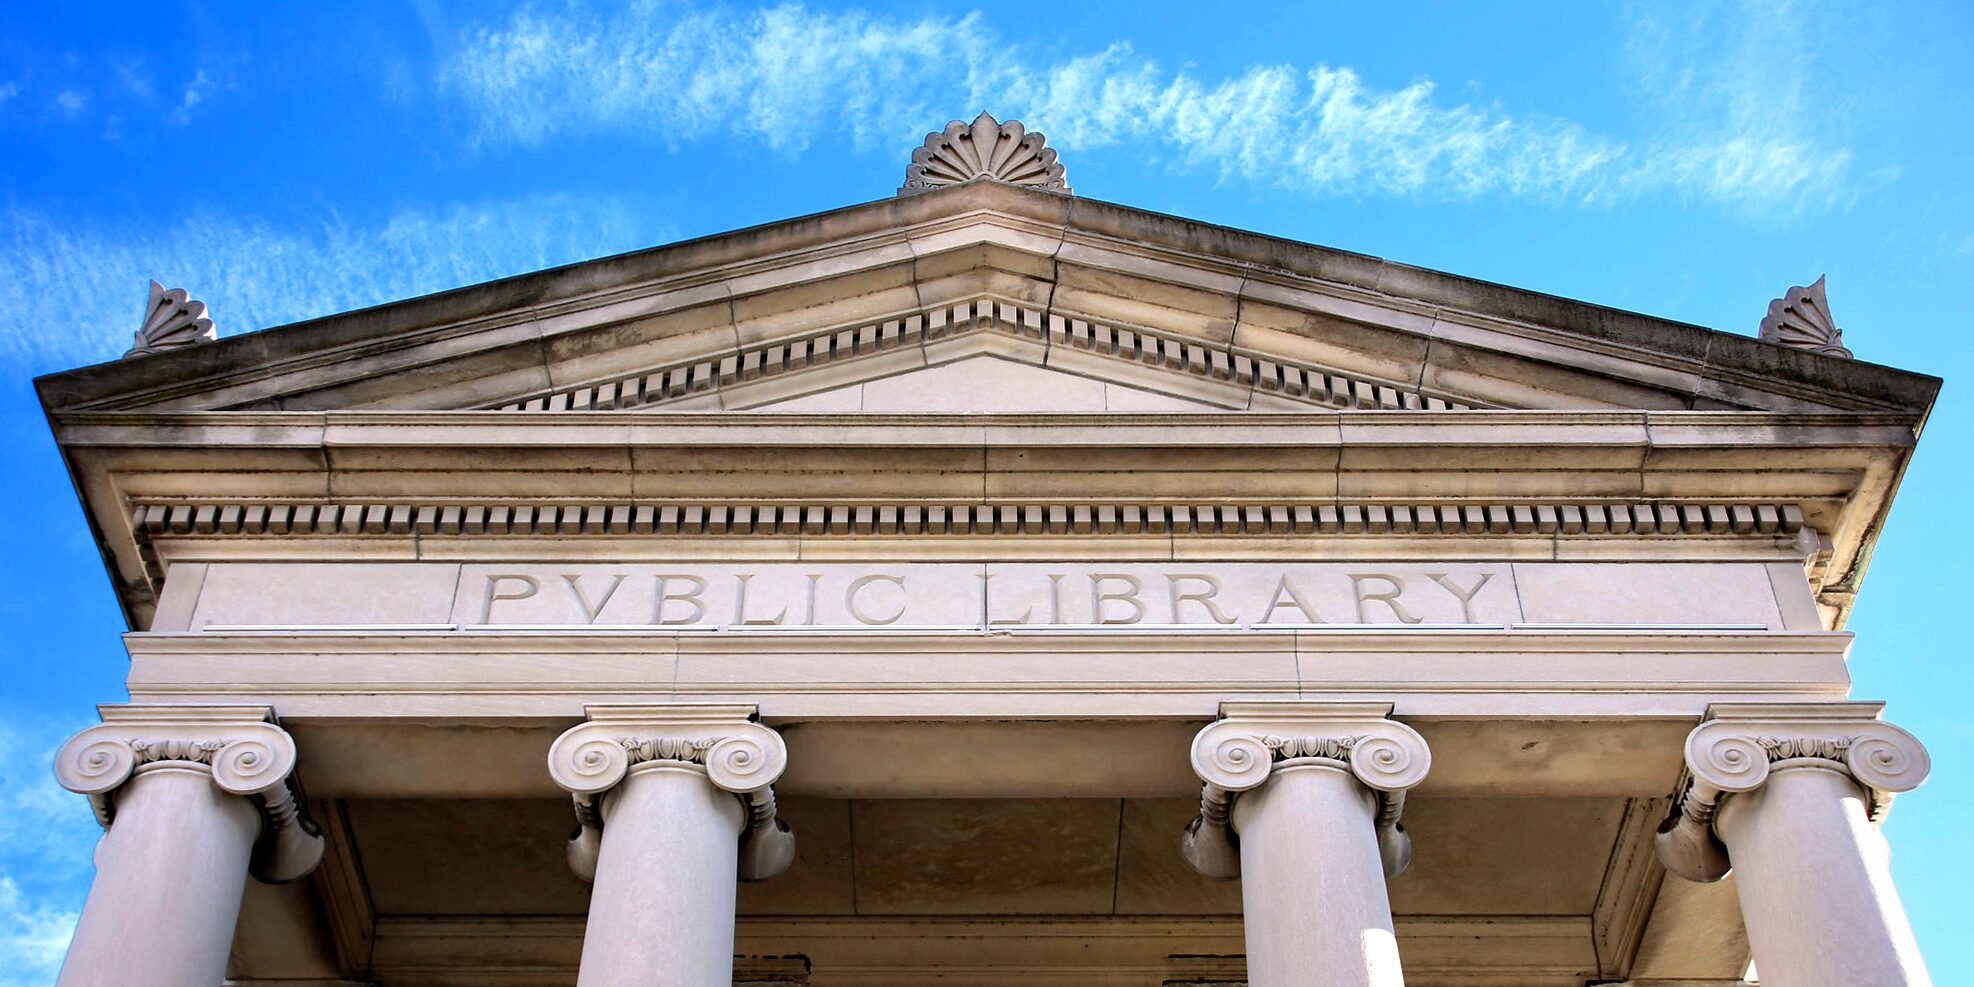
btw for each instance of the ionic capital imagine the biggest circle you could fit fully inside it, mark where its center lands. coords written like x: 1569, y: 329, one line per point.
x: 241, y: 748
x: 1239, y: 752
x: 1739, y: 744
x: 738, y: 754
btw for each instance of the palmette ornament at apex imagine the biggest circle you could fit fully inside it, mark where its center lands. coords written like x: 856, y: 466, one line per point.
x: 1801, y: 319
x: 172, y: 320
x: 986, y: 148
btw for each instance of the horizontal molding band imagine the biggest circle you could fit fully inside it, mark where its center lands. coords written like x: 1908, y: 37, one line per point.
x: 1622, y: 519
x: 1316, y: 385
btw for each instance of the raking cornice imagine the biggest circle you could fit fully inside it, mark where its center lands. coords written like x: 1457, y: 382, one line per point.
x: 1067, y: 257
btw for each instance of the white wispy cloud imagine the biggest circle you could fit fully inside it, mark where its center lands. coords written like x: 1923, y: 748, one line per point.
x: 83, y: 284
x: 8, y: 91
x: 195, y: 93
x: 34, y: 933
x: 1729, y: 88
x: 790, y: 76
x: 45, y: 837
x: 71, y: 102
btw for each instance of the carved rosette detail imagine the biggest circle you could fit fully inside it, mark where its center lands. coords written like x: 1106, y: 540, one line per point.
x: 1801, y: 318
x: 1240, y: 751
x: 986, y: 148
x: 172, y: 320
x: 738, y: 755
x: 1738, y: 749
x: 244, y: 756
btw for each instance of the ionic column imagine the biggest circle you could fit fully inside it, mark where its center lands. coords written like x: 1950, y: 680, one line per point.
x: 1787, y: 796
x: 1301, y: 802
x: 192, y: 799
x: 674, y: 805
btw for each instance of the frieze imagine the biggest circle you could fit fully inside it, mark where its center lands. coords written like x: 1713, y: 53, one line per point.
x: 1002, y: 595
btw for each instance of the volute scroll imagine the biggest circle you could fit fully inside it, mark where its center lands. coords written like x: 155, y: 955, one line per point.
x: 1239, y: 753
x: 240, y: 747
x: 1740, y: 746
x: 738, y: 754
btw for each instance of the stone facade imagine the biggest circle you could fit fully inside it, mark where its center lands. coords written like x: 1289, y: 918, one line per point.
x: 990, y: 585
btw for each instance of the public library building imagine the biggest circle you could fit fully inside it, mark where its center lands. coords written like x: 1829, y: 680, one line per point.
x: 989, y: 585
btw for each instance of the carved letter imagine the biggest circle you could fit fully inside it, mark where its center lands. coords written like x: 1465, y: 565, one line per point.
x: 1203, y: 597
x: 529, y: 587
x: 689, y: 598
x: 1465, y: 596
x: 1388, y: 598
x: 809, y: 611
x: 1275, y: 602
x: 740, y: 618
x: 1098, y: 598
x: 856, y: 609
x: 987, y: 606
x: 575, y: 587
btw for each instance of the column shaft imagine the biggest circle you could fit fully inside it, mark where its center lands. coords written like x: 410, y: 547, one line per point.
x: 1312, y: 882
x: 1815, y: 882
x: 661, y: 912
x: 170, y: 873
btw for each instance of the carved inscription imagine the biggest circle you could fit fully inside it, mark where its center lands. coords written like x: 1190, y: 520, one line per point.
x: 991, y: 596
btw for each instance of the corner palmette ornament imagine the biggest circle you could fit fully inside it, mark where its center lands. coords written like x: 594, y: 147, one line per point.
x: 986, y: 148
x: 740, y: 756
x: 1735, y: 753
x: 1801, y: 318
x: 172, y: 320
x: 246, y: 756
x: 1240, y: 751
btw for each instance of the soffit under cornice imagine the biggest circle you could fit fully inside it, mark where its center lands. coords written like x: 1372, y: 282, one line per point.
x: 1028, y: 265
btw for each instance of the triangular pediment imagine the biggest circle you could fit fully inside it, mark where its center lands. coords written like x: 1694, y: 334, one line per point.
x: 1103, y: 296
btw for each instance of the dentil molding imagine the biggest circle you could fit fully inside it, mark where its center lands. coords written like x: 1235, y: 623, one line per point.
x: 739, y: 755
x: 1240, y: 751
x: 1741, y: 744
x: 1008, y: 321
x: 158, y: 519
x: 245, y: 752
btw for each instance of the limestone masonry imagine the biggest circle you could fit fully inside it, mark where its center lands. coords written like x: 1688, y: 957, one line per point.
x: 989, y: 585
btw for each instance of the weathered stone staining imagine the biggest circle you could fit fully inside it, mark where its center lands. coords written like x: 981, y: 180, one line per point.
x: 1801, y: 318
x: 172, y: 320
x: 986, y: 148
x: 938, y: 530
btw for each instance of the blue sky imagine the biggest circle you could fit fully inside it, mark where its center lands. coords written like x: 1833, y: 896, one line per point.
x: 1689, y: 160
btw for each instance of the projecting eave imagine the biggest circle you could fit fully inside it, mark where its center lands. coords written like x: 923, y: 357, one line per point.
x: 1008, y: 258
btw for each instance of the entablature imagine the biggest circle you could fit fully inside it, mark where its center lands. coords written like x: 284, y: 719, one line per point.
x: 1467, y: 484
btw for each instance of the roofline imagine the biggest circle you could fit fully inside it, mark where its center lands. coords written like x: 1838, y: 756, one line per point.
x: 1683, y: 341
